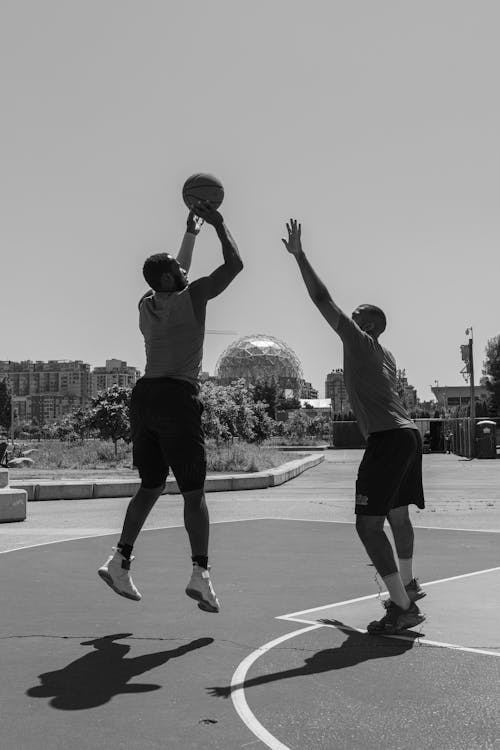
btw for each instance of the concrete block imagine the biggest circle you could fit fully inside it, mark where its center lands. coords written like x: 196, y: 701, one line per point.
x: 223, y: 483
x: 27, y: 487
x: 259, y: 480
x: 116, y: 487
x: 12, y: 505
x: 64, y: 490
x: 4, y: 478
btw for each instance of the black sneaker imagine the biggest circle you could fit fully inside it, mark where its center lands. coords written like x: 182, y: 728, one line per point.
x: 396, y: 619
x: 414, y: 591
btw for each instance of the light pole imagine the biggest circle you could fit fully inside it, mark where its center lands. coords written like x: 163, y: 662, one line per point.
x: 472, y: 410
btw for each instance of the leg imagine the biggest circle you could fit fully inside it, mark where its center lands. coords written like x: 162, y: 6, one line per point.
x: 138, y: 510
x: 402, y: 530
x: 196, y: 521
x: 378, y: 547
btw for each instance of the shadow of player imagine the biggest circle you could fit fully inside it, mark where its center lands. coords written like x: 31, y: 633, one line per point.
x: 103, y: 673
x: 356, y: 648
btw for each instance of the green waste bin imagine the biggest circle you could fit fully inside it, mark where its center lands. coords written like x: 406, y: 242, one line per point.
x: 486, y: 439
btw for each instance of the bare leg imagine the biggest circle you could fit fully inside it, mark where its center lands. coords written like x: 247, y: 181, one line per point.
x: 196, y: 521
x: 402, y: 529
x: 138, y: 510
x: 378, y: 547
x: 371, y: 532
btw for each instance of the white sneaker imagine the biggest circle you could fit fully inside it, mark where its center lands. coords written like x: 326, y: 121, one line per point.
x: 200, y: 588
x: 115, y: 572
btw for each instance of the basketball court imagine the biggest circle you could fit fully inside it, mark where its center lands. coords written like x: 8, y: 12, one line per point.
x: 287, y: 663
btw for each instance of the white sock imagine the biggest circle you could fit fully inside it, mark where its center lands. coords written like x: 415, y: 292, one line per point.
x: 396, y: 590
x: 406, y: 570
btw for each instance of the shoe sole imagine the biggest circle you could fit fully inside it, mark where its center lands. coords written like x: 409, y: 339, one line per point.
x: 202, y: 603
x: 395, y: 631
x: 109, y: 580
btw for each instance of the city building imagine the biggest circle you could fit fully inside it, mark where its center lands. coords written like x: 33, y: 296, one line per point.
x: 451, y: 398
x: 45, y: 391
x: 317, y: 406
x: 335, y: 390
x: 115, y: 372
x: 263, y: 358
x: 307, y: 391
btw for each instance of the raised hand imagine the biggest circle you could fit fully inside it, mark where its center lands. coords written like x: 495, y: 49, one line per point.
x: 293, y: 244
x: 220, y: 692
x: 194, y: 223
x: 208, y: 213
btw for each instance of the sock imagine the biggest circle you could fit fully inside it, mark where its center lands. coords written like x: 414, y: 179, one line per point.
x: 125, y: 550
x: 202, y: 560
x: 396, y: 590
x: 406, y: 570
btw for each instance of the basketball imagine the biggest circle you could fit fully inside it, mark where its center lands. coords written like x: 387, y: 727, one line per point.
x: 202, y: 187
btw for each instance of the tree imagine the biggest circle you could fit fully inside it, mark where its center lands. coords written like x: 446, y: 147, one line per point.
x: 80, y: 419
x: 5, y: 404
x: 109, y: 415
x: 267, y: 393
x: 287, y: 403
x: 231, y: 412
x: 491, y: 375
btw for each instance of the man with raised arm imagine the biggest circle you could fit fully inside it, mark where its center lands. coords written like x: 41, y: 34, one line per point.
x: 390, y: 474
x: 165, y: 409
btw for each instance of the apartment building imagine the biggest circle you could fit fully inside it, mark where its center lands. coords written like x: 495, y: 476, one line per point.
x: 45, y: 391
x: 115, y: 372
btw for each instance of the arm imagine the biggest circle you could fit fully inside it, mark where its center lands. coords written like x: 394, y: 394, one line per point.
x: 185, y: 254
x: 317, y: 290
x: 219, y: 279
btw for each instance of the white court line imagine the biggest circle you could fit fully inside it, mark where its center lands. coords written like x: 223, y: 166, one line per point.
x: 112, y: 533
x: 352, y: 523
x: 292, y: 615
x: 238, y: 689
x: 239, y: 676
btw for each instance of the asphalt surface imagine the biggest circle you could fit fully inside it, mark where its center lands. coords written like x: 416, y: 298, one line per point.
x: 85, y: 668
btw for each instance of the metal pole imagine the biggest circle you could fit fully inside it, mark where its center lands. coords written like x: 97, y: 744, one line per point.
x: 472, y: 400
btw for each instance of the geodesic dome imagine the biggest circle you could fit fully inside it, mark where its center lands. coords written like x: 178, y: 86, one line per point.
x: 260, y: 357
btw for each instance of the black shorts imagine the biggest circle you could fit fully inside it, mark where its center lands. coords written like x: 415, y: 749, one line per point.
x: 390, y: 473
x: 165, y: 421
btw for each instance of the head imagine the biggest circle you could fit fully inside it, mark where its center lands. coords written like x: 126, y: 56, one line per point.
x: 370, y: 319
x: 164, y: 274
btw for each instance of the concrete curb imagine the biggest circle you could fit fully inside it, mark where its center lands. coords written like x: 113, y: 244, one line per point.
x: 86, y: 490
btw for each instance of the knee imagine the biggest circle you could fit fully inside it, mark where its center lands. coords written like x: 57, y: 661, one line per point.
x: 368, y: 527
x: 152, y: 489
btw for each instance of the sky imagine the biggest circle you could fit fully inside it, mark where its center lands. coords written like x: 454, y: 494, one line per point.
x: 375, y: 124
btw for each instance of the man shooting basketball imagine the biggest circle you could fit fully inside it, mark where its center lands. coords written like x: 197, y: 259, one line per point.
x: 165, y: 409
x: 390, y: 473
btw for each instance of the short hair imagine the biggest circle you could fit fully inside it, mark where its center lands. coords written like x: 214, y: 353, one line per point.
x: 378, y: 316
x: 155, y: 266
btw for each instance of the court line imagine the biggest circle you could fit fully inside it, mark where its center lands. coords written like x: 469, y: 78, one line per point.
x: 291, y: 615
x: 352, y: 523
x: 239, y: 676
x: 411, y: 639
x: 238, y: 689
x: 112, y: 533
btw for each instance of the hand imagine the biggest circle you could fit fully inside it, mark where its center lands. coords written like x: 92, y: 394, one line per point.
x: 219, y: 692
x: 208, y: 213
x: 194, y: 223
x: 294, y: 244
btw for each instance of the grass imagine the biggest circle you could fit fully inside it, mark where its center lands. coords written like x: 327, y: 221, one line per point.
x: 55, y: 457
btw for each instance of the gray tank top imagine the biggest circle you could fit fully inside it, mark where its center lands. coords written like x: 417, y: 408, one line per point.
x: 173, y: 336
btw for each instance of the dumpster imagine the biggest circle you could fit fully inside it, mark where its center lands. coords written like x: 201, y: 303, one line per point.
x: 486, y: 439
